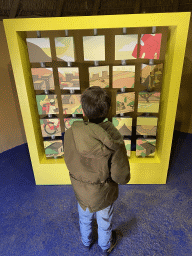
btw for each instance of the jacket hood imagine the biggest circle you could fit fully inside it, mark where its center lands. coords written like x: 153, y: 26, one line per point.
x: 93, y: 140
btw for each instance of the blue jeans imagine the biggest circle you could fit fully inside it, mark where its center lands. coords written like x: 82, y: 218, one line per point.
x: 104, y: 218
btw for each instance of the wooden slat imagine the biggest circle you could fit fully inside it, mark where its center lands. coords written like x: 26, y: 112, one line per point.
x: 137, y: 6
x: 14, y: 9
x: 31, y: 16
x: 59, y: 8
x: 175, y: 5
x: 96, y: 7
x: 3, y: 17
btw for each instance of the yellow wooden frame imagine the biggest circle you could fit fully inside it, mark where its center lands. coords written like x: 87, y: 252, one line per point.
x: 143, y: 170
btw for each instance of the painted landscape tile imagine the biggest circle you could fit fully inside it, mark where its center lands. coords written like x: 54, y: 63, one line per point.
x: 72, y: 104
x: 124, y: 47
x: 43, y: 78
x: 50, y: 127
x: 123, y: 125
x: 53, y: 148
x: 148, y: 102
x: 150, y: 45
x: 125, y: 102
x: 69, y: 121
x: 94, y: 48
x: 47, y: 104
x: 128, y: 146
x: 145, y: 147
x: 99, y: 76
x: 69, y: 78
x: 146, y: 126
x: 64, y: 49
x: 123, y: 76
x: 151, y: 75
x: 39, y: 49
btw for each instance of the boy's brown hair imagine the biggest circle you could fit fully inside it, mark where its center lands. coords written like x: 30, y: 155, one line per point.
x: 96, y: 103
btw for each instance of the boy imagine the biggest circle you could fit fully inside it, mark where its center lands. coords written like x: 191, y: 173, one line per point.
x: 97, y: 161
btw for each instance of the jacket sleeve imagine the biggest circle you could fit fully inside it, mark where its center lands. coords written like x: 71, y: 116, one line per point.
x: 120, y: 168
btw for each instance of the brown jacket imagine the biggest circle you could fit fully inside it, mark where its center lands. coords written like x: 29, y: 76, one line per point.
x: 97, y: 161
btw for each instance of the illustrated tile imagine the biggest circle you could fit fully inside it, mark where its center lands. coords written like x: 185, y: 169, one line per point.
x: 43, y: 78
x: 123, y: 76
x: 64, y: 49
x: 50, y: 127
x: 145, y: 147
x: 53, y: 148
x: 151, y: 75
x: 150, y: 45
x: 39, y: 49
x: 69, y: 78
x: 125, y: 102
x: 148, y: 102
x: 47, y: 104
x: 125, y: 47
x: 69, y: 121
x: 71, y: 104
x: 123, y: 125
x: 94, y: 48
x: 146, y: 126
x: 128, y: 146
x: 99, y: 76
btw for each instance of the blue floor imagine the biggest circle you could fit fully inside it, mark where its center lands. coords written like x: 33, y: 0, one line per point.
x: 43, y: 220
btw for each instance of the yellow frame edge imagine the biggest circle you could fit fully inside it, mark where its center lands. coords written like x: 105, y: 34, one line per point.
x: 143, y: 170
